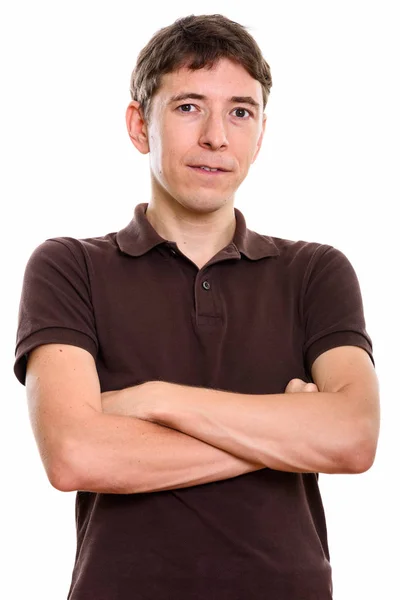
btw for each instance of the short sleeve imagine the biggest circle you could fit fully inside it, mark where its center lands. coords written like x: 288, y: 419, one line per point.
x: 332, y: 306
x: 55, y: 305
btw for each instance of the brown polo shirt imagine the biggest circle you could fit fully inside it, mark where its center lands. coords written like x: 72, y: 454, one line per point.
x: 253, y: 318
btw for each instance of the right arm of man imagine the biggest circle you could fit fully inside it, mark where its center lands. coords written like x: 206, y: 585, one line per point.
x: 84, y: 449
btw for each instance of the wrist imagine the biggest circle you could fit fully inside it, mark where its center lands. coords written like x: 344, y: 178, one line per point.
x: 154, y: 408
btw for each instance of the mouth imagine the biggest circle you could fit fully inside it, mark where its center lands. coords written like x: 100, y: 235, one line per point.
x: 205, y: 169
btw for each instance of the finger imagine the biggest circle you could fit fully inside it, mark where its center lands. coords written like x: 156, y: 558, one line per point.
x: 310, y: 387
x: 295, y: 385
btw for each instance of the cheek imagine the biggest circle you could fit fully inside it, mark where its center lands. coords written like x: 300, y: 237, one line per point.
x: 244, y: 156
x: 165, y: 161
x: 171, y: 155
x: 160, y: 155
x: 249, y: 158
x: 155, y: 151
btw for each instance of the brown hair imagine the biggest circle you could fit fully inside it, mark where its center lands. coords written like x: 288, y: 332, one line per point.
x: 196, y: 42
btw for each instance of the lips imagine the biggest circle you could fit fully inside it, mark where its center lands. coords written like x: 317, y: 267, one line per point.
x: 210, y: 168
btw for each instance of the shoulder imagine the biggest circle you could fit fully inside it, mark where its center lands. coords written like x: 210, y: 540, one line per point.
x: 291, y: 247
x: 89, y: 245
x: 303, y: 254
x: 310, y: 255
x: 69, y: 250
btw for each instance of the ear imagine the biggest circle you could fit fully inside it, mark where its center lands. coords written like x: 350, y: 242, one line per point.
x: 260, y: 139
x: 137, y: 127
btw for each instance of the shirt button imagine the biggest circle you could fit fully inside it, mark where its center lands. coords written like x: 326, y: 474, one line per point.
x: 206, y: 285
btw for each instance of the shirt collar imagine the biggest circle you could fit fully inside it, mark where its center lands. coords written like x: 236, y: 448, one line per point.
x: 139, y: 236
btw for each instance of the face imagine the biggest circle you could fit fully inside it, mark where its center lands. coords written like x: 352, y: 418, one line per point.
x: 210, y: 118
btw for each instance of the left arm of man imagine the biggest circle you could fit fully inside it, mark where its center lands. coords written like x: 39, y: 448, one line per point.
x: 334, y: 430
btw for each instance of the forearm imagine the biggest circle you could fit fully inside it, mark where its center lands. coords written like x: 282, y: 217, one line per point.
x: 128, y: 455
x: 304, y: 432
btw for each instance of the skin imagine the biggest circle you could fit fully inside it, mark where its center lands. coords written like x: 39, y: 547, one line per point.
x: 135, y: 401
x: 333, y: 430
x: 196, y: 209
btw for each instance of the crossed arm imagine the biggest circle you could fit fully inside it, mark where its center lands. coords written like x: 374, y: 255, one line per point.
x: 333, y: 431
x: 159, y: 435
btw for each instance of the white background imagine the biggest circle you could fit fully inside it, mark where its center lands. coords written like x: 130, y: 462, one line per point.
x: 326, y: 173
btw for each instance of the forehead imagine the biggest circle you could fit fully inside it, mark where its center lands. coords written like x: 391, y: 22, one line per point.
x: 224, y: 79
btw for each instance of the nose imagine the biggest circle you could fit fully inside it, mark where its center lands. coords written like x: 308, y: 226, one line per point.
x: 213, y: 134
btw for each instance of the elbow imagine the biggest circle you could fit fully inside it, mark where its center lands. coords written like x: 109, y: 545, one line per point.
x: 62, y: 480
x: 79, y: 469
x: 61, y: 471
x: 360, y: 455
x: 359, y: 462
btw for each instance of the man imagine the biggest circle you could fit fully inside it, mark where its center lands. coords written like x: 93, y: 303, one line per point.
x: 188, y: 377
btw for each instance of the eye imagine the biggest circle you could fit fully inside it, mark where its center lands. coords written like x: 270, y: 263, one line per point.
x: 241, y: 113
x: 185, y: 107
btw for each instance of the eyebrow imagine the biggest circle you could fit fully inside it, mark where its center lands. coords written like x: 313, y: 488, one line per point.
x: 233, y: 100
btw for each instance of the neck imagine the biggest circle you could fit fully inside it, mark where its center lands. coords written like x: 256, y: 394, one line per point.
x: 199, y: 235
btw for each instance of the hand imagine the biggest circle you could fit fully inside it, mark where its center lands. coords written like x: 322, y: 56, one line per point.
x: 298, y: 385
x: 134, y: 401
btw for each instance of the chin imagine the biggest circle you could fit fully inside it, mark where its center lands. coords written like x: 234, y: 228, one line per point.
x: 204, y: 199
x: 205, y: 204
